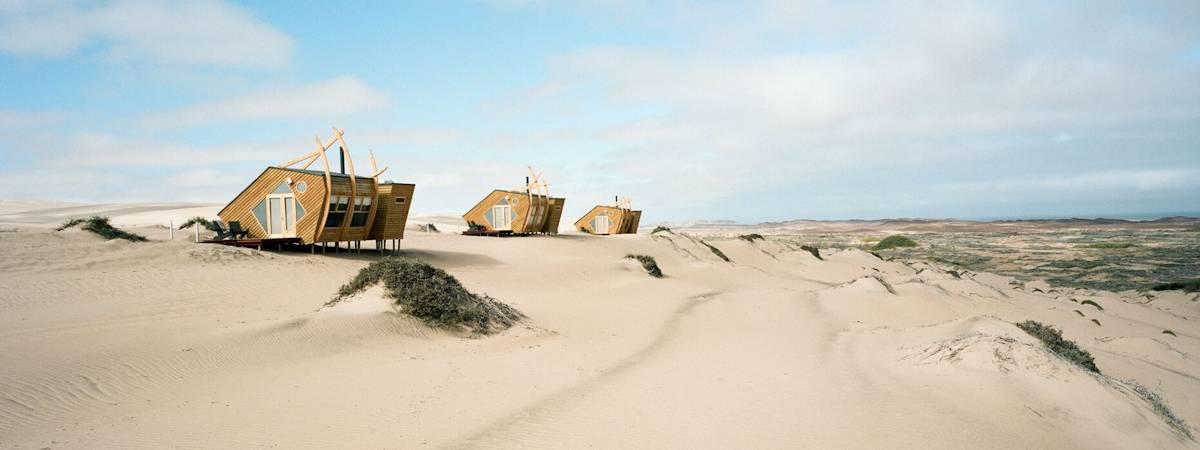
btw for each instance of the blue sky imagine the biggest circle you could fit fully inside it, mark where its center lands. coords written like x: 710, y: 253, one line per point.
x: 750, y: 111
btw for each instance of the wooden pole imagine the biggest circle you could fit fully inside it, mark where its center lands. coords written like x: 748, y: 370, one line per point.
x: 172, y: 229
x: 197, y: 233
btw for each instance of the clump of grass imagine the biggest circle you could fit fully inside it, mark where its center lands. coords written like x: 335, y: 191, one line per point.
x: 1080, y: 313
x: 815, y: 252
x: 100, y: 226
x: 70, y: 224
x: 661, y: 228
x: 648, y: 263
x: 1172, y: 333
x: 752, y: 237
x: 1052, y: 338
x: 433, y: 296
x: 716, y: 251
x: 894, y: 241
x: 196, y: 220
x: 1090, y: 302
x: 1186, y: 286
x: 1106, y: 245
x: 1161, y: 407
x: 1097, y: 322
x: 870, y: 239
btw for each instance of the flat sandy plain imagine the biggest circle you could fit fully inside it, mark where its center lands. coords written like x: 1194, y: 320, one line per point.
x: 112, y: 344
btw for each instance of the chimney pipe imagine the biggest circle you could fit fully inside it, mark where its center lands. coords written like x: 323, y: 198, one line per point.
x: 342, y: 159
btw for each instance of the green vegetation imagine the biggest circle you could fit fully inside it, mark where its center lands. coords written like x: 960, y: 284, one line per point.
x: 1172, y: 333
x: 894, y: 241
x: 1186, y: 286
x: 815, y: 252
x: 1106, y: 245
x: 870, y: 239
x: 100, y: 226
x: 649, y: 264
x: 196, y: 220
x: 432, y: 295
x: 1052, y: 338
x: 716, y: 251
x: 1160, y: 407
x: 1093, y: 303
x: 752, y: 237
x: 661, y: 228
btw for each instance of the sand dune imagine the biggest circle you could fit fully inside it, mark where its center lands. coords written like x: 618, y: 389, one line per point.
x: 173, y: 344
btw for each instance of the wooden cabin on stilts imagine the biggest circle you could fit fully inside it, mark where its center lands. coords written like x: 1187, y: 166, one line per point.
x: 517, y: 212
x: 291, y: 204
x: 605, y: 220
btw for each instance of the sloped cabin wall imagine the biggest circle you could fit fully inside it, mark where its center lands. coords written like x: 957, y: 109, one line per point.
x: 341, y: 186
x: 312, y: 200
x: 554, y: 217
x: 620, y: 221
x: 637, y: 222
x: 394, y: 201
x: 480, y: 212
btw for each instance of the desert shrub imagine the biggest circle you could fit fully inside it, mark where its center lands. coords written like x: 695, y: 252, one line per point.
x: 716, y: 251
x: 69, y: 224
x: 1090, y: 302
x: 894, y: 241
x: 196, y: 220
x: 1105, y: 245
x: 649, y: 264
x: 870, y: 239
x: 1161, y: 407
x: 100, y: 226
x: 1080, y: 313
x: 1186, y: 286
x: 432, y: 295
x: 1172, y: 333
x: 1052, y: 338
x: 661, y: 228
x: 815, y: 252
x: 752, y: 237
x: 1097, y: 322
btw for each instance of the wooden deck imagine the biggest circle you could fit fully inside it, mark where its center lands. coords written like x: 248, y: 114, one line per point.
x: 255, y: 243
x: 496, y: 233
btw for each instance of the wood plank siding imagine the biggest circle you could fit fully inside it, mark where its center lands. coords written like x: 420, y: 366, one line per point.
x: 520, y: 203
x: 241, y: 209
x: 393, y: 201
x: 315, y: 202
x: 620, y: 221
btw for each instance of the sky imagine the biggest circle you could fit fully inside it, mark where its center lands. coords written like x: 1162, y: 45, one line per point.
x: 749, y: 111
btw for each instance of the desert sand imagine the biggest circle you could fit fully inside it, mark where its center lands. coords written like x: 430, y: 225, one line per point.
x: 112, y: 344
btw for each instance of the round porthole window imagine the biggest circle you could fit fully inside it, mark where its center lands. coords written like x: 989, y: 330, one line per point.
x: 301, y: 187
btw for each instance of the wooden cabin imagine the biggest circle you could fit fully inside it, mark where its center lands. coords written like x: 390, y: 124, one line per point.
x: 305, y: 206
x: 606, y: 220
x: 526, y: 211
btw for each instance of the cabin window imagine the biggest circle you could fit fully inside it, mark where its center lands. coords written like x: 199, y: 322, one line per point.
x: 362, y: 209
x: 301, y: 187
x: 399, y: 199
x: 338, y: 205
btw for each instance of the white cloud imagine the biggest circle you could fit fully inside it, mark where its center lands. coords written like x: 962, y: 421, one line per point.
x: 863, y: 106
x: 330, y: 99
x: 205, y: 32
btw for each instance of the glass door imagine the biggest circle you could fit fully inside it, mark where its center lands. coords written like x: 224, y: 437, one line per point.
x: 281, y: 215
x: 503, y: 216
